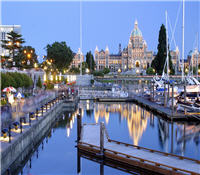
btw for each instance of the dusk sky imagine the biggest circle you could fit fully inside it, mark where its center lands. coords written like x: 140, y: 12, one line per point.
x: 104, y: 23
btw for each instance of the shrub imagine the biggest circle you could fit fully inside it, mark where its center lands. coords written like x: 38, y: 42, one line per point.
x: 106, y: 70
x: 150, y: 71
x: 98, y: 73
x: 39, y: 83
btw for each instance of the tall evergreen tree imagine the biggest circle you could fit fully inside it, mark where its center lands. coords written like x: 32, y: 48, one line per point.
x: 39, y: 83
x: 90, y: 61
x: 13, y: 43
x: 159, y: 61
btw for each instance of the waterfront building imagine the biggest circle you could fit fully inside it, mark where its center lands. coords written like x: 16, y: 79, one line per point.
x: 134, y: 57
x: 77, y: 59
x: 193, y: 58
x: 4, y: 30
x: 175, y: 58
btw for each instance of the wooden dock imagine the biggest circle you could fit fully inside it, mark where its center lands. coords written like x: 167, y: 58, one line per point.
x: 94, y: 139
x: 154, y: 107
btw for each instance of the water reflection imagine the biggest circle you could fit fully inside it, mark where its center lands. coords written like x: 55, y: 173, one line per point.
x: 134, y: 125
x: 171, y: 136
x: 135, y: 116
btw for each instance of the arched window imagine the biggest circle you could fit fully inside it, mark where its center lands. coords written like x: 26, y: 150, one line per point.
x: 137, y: 64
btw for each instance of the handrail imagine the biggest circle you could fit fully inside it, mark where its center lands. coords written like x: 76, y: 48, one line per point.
x: 140, y: 159
x: 147, y: 149
x: 151, y: 150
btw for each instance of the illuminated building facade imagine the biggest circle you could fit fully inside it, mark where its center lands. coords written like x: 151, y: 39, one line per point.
x: 77, y: 60
x: 134, y: 57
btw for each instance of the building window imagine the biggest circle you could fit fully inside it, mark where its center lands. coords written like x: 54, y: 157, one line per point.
x: 137, y: 64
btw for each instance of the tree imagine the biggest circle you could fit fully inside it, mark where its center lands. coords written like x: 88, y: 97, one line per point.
x: 106, y: 70
x: 13, y: 44
x: 60, y: 53
x: 159, y: 60
x: 150, y: 71
x: 39, y: 83
x: 26, y: 57
x: 74, y: 70
x: 90, y: 61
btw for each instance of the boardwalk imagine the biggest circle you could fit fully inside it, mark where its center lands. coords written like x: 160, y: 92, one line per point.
x: 152, y: 160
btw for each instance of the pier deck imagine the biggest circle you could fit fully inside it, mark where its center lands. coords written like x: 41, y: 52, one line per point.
x: 152, y: 160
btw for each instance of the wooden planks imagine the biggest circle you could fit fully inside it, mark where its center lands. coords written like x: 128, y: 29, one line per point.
x: 138, y: 156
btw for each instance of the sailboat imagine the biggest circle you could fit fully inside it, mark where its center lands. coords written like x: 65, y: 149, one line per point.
x: 192, y: 84
x: 159, y: 82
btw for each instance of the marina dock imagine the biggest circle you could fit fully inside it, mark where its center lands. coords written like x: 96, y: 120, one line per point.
x: 100, y: 145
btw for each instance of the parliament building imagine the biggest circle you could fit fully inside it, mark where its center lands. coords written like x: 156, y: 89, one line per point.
x: 135, y: 57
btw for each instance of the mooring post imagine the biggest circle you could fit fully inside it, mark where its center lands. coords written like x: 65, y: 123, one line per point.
x: 78, y: 161
x: 172, y: 98
x: 78, y: 127
x: 153, y: 91
x: 168, y: 90
x: 9, y: 134
x: 20, y: 122
x: 102, y: 139
x: 185, y: 96
x: 36, y: 114
x: 29, y: 119
x: 164, y: 94
x: 42, y: 109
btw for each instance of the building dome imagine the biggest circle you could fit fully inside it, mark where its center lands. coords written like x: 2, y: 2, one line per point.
x: 136, y: 31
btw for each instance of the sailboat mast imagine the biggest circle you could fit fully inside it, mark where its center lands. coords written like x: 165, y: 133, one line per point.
x: 197, y: 53
x: 81, y: 38
x: 167, y: 46
x: 182, y: 77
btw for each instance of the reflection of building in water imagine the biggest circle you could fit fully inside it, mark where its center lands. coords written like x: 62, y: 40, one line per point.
x: 136, y: 117
x: 137, y: 122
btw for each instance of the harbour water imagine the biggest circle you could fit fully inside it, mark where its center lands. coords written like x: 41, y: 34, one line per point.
x: 125, y: 122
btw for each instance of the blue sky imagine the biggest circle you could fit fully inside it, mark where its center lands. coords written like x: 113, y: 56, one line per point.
x: 104, y: 23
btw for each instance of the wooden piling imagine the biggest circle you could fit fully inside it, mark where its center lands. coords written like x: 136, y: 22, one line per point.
x: 79, y: 127
x: 172, y: 98
x: 185, y: 111
x: 168, y: 90
x: 9, y: 134
x: 20, y: 121
x: 165, y: 94
x: 153, y: 91
x: 102, y: 138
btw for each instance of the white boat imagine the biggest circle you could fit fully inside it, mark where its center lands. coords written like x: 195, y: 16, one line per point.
x: 118, y: 92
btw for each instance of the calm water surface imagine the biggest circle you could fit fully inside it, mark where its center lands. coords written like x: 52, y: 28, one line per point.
x: 125, y: 122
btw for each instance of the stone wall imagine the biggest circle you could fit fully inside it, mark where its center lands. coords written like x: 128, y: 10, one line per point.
x: 25, y: 143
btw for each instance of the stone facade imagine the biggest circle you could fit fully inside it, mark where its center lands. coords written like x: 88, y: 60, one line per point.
x: 78, y: 58
x: 134, y: 57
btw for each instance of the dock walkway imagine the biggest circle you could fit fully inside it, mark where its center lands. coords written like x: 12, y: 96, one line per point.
x: 160, y: 162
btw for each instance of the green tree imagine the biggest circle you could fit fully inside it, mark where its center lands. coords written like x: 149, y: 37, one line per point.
x: 106, y: 70
x: 39, y: 83
x: 60, y: 53
x: 18, y: 79
x: 90, y: 61
x: 13, y: 44
x: 26, y: 57
x: 150, y: 71
x: 159, y: 60
x: 74, y: 70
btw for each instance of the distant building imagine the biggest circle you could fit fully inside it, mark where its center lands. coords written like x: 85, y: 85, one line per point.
x: 77, y: 60
x: 134, y: 57
x: 175, y: 58
x: 4, y: 30
x: 193, y: 58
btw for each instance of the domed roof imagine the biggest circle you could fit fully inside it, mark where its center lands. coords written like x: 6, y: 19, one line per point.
x: 136, y: 31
